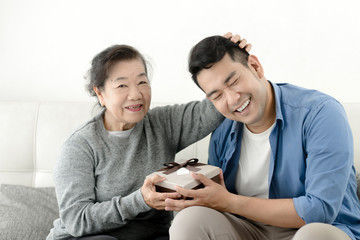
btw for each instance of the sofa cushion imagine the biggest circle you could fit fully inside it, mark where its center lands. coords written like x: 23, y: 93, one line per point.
x: 26, y: 212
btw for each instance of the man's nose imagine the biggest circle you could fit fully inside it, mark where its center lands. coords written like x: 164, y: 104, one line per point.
x: 233, y: 97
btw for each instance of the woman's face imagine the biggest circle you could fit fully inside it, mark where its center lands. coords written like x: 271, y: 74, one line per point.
x: 126, y: 95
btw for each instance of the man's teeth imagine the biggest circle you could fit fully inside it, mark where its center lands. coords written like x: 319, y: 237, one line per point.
x: 243, y: 106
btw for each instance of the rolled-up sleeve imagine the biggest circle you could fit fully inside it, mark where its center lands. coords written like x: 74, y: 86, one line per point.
x: 329, y: 147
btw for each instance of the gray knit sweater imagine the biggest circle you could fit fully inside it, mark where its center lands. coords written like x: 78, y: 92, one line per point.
x: 98, y: 176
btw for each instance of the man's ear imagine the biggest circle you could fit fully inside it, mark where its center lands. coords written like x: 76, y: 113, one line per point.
x: 255, y: 66
x: 99, y: 96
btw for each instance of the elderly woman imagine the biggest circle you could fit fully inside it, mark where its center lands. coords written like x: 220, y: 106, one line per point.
x: 100, y: 174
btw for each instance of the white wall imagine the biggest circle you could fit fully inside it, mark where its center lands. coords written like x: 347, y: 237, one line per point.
x: 46, y: 46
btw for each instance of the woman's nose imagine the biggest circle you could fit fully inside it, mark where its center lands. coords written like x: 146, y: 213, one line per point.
x: 134, y: 93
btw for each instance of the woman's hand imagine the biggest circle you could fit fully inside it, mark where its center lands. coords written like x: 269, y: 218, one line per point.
x: 155, y: 199
x: 236, y: 38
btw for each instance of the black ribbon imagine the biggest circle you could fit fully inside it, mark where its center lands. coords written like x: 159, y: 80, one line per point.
x: 174, y: 166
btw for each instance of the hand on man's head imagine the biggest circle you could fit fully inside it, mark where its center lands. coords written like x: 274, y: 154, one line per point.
x: 237, y: 39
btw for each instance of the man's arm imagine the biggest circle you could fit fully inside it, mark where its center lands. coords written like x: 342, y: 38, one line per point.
x: 275, y: 212
x: 329, y: 159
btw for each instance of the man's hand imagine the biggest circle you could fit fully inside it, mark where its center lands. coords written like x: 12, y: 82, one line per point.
x: 213, y: 195
x: 155, y: 199
x: 275, y: 212
x: 236, y: 38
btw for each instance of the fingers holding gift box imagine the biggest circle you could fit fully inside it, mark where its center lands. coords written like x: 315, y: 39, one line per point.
x: 213, y: 195
x: 179, y: 174
x: 155, y: 199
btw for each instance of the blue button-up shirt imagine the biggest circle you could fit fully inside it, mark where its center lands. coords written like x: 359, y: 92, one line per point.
x: 311, y: 157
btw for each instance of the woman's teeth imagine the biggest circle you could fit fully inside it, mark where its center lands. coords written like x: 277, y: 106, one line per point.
x: 133, y: 107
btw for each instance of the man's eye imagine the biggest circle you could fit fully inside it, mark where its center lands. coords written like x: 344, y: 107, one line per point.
x: 121, y: 86
x: 143, y: 82
x: 217, y: 97
x: 234, y: 83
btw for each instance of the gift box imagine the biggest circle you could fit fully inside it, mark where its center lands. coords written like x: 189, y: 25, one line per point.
x: 179, y: 174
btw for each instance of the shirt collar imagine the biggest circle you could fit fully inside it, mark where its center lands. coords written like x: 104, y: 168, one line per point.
x: 235, y: 129
x: 278, y: 109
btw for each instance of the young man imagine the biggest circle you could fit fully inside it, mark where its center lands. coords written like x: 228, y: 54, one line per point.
x: 286, y: 154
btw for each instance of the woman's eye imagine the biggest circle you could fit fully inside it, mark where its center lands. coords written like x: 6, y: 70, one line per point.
x: 121, y: 86
x: 143, y: 82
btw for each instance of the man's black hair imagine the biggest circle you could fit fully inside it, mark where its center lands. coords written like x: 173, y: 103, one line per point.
x: 211, y: 50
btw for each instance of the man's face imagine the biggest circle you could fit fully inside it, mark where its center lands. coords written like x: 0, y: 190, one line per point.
x: 239, y: 93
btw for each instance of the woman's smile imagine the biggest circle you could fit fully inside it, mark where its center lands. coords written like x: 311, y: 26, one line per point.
x: 134, y: 108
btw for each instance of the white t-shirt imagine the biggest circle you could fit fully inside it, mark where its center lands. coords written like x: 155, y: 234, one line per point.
x: 121, y: 134
x: 252, y: 177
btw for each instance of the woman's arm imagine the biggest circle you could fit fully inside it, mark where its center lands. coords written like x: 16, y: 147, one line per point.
x: 75, y: 182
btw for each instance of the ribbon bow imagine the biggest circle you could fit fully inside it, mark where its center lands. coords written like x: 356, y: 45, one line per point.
x: 174, y: 166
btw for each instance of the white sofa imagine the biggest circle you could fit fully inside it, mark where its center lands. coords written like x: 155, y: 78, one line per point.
x: 31, y: 136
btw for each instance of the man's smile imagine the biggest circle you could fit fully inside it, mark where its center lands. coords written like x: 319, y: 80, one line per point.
x: 243, y: 106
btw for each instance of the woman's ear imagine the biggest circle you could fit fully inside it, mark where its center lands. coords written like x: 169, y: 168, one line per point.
x: 255, y: 66
x: 99, y: 96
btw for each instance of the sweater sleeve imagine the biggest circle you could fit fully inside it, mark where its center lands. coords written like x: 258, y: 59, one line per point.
x: 80, y: 211
x: 185, y: 124
x: 329, y: 149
